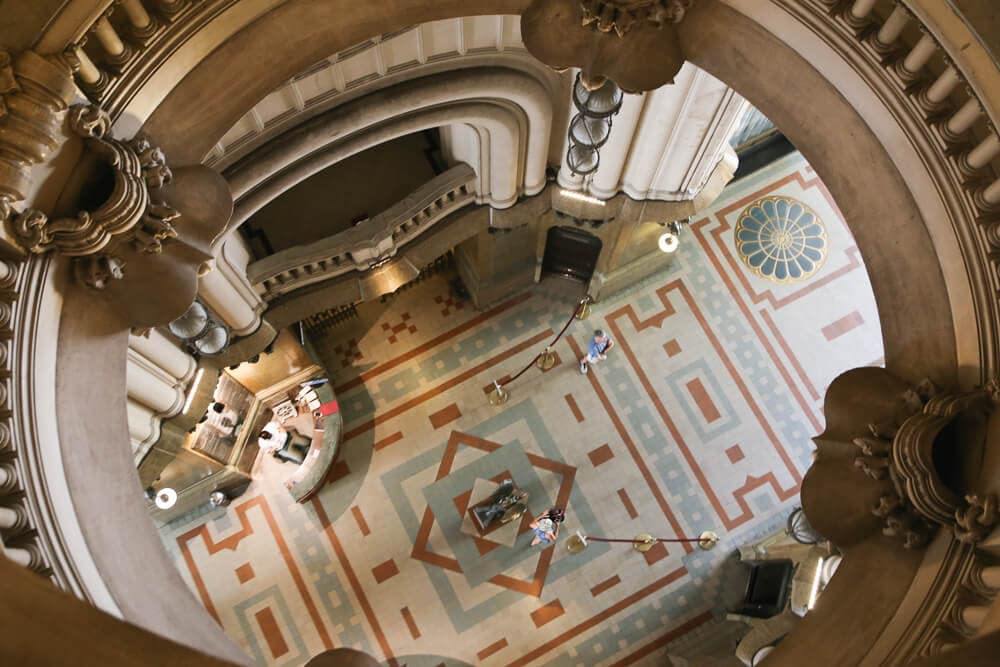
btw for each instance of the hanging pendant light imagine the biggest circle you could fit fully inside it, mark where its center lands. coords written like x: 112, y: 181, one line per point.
x: 200, y: 331
x: 592, y: 132
x: 582, y: 160
x: 596, y: 97
x: 596, y: 100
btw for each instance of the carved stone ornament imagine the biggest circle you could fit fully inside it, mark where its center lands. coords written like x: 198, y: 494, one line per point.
x: 34, y: 94
x: 932, y: 460
x: 128, y: 173
x: 976, y: 520
x: 632, y: 42
x: 621, y: 15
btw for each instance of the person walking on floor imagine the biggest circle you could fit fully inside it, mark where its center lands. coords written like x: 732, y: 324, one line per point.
x: 598, y: 350
x: 546, y: 526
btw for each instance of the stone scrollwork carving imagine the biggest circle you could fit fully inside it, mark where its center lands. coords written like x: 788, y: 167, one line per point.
x: 632, y: 42
x: 977, y: 519
x: 622, y: 15
x: 931, y: 458
x: 89, y: 121
x: 35, y: 91
x: 132, y: 172
x: 154, y: 163
x: 95, y: 272
x: 155, y: 228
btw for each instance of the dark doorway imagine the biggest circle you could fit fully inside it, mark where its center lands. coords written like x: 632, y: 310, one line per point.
x: 571, y: 252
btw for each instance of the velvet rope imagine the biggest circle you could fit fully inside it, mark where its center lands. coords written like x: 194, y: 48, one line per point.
x: 555, y: 340
x: 655, y: 539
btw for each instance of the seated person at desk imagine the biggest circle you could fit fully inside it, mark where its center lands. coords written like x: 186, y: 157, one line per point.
x: 221, y: 419
x: 276, y: 441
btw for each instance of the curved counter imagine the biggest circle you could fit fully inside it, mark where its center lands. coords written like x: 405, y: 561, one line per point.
x: 327, y: 429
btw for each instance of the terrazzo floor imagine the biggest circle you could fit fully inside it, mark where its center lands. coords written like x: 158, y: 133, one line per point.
x: 700, y: 419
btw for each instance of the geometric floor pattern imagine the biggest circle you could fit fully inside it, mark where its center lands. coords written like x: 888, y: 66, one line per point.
x: 700, y: 419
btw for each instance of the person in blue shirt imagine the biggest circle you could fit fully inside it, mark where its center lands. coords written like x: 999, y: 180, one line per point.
x: 598, y: 350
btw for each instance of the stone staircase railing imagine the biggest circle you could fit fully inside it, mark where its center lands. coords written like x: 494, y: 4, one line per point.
x: 951, y: 602
x: 368, y: 244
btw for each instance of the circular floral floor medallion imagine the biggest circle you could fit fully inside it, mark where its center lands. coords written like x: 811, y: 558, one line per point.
x: 781, y: 239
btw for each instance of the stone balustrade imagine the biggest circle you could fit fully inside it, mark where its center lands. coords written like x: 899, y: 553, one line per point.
x: 368, y: 244
x: 19, y: 539
x: 922, y: 80
x: 127, y: 42
x: 903, y: 51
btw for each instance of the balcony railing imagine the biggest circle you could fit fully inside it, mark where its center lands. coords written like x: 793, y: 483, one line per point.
x: 369, y: 243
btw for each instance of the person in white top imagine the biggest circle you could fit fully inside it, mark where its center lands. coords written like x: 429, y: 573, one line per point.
x: 272, y: 437
x: 546, y: 526
x: 221, y: 418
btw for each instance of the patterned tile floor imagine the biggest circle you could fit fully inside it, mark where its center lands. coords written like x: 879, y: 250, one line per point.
x: 700, y: 419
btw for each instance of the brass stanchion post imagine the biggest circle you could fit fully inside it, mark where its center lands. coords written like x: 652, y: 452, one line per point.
x: 583, y: 312
x: 546, y: 359
x: 498, y: 396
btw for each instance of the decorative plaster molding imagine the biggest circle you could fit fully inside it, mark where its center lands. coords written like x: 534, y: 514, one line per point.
x: 621, y: 15
x: 331, y: 83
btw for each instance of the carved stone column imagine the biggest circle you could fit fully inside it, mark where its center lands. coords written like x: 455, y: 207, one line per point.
x: 34, y: 94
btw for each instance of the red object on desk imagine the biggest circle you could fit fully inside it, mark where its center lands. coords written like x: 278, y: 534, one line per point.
x: 328, y: 408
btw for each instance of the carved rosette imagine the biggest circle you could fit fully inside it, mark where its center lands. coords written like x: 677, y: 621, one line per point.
x: 128, y: 214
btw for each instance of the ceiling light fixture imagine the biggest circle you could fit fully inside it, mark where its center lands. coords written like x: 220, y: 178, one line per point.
x: 166, y: 498
x: 669, y: 242
x: 202, y: 333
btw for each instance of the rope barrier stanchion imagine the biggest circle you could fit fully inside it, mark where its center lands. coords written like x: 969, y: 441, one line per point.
x: 545, y: 360
x: 642, y: 542
x: 498, y: 396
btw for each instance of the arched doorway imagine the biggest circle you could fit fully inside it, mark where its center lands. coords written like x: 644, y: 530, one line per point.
x: 571, y: 252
